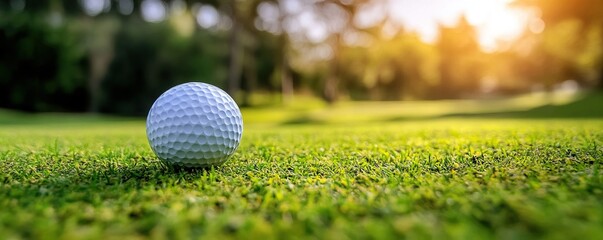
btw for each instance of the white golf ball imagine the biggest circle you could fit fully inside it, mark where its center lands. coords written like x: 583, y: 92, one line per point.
x: 194, y: 125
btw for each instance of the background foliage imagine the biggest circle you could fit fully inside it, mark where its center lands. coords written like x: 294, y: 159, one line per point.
x: 58, y: 56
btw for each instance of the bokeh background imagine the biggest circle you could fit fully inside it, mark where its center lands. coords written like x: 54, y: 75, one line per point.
x: 118, y: 56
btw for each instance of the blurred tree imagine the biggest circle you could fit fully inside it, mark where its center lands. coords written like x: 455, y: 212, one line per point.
x: 40, y: 70
x: 242, y: 43
x: 267, y: 65
x: 337, y: 15
x: 554, y: 11
x: 283, y: 65
x: 576, y: 49
x: 152, y: 58
x: 97, y: 40
x: 101, y: 50
x: 460, y: 64
x: 236, y: 51
x: 510, y: 71
x: 393, y: 68
x: 572, y: 38
x: 272, y: 17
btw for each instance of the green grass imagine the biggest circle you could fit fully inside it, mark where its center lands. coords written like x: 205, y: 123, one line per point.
x: 386, y: 176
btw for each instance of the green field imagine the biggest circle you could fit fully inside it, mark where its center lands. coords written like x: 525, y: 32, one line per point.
x: 420, y: 170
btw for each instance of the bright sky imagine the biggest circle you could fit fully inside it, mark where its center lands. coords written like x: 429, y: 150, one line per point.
x: 494, y: 19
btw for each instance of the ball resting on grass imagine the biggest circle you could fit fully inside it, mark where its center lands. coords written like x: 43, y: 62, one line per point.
x: 194, y: 125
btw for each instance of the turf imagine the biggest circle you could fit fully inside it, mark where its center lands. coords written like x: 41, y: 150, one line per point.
x: 444, y: 177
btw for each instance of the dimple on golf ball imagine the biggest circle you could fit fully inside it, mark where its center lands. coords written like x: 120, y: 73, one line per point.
x: 194, y: 125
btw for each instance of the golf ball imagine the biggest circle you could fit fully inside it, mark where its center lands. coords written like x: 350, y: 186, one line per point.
x: 194, y: 125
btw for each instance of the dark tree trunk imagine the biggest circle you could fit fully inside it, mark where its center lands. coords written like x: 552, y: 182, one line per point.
x: 99, y: 63
x: 235, y: 53
x: 331, y: 88
x: 251, y: 80
x: 286, y: 81
x: 100, y: 56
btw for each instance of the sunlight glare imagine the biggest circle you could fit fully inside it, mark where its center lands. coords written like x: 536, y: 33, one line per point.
x: 494, y: 20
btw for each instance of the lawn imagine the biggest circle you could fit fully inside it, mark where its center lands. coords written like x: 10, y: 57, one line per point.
x: 353, y: 171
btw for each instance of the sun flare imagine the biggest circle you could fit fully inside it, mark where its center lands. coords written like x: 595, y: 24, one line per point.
x: 495, y: 20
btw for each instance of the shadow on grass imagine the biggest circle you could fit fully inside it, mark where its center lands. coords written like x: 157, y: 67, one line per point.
x: 108, y: 182
x: 304, y: 119
x: 136, y: 192
x: 589, y: 107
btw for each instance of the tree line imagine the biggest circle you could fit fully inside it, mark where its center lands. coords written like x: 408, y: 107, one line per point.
x: 64, y: 55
